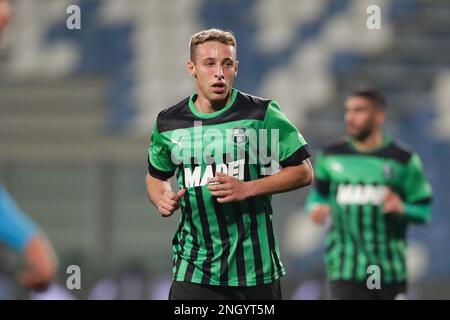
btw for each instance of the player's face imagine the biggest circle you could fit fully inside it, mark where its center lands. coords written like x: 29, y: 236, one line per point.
x: 215, y: 68
x: 5, y: 15
x: 361, y: 117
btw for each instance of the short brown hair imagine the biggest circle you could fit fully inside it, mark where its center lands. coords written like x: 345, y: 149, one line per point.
x: 372, y: 94
x: 225, y: 37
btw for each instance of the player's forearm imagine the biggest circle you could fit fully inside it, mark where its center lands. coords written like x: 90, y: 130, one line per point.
x: 287, y: 179
x: 156, y: 187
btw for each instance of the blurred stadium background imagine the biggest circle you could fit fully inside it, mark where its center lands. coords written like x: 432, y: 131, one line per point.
x: 77, y: 108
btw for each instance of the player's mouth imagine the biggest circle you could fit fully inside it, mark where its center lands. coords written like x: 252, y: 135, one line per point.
x: 219, y: 87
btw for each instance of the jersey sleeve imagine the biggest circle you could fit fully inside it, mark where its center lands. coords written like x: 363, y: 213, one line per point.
x: 291, y: 146
x: 16, y: 229
x: 321, y: 190
x: 160, y: 165
x: 417, y: 191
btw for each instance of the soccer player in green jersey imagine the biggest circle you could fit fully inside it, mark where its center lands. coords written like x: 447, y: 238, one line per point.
x: 217, y: 142
x: 369, y: 188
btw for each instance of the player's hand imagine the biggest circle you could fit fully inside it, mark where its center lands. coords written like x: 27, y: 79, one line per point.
x: 227, y: 188
x: 169, y: 202
x: 41, y: 264
x: 320, y: 213
x: 393, y: 203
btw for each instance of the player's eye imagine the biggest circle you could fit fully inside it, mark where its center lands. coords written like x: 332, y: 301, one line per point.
x: 229, y: 64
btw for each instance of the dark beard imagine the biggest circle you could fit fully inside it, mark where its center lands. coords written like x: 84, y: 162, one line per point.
x: 363, y: 134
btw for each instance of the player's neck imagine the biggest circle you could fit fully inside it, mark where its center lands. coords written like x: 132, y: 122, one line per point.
x: 205, y: 105
x: 373, y: 141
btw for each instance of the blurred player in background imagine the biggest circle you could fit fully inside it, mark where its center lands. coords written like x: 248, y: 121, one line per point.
x: 224, y: 247
x: 371, y: 188
x: 17, y: 230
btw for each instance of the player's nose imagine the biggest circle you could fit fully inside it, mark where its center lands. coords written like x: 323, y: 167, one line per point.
x: 219, y: 73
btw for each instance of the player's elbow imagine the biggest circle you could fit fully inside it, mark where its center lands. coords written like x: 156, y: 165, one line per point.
x: 305, y: 175
x: 148, y: 180
x: 309, y: 177
x: 308, y: 173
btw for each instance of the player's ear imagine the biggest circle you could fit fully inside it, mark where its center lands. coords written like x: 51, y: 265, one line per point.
x: 191, y: 68
x: 236, y: 71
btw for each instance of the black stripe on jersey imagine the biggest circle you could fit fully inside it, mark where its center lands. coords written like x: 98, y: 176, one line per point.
x: 240, y: 259
x: 358, y: 240
x: 360, y: 223
x: 195, y: 246
x: 254, y: 229
x: 177, y: 260
x: 300, y: 155
x: 393, y: 150
x: 206, y: 268
x: 348, y: 218
x: 156, y: 173
x: 180, y: 116
x: 376, y: 231
x: 224, y: 237
x: 389, y: 237
x: 271, y: 237
x: 361, y: 233
x: 342, y: 238
x: 267, y: 219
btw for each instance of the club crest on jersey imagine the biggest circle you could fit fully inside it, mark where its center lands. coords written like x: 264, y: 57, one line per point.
x: 238, y: 135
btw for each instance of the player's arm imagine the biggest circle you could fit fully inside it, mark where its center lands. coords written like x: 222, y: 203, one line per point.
x: 231, y: 189
x: 317, y: 202
x: 416, y: 204
x: 287, y: 179
x: 160, y: 171
x: 21, y: 233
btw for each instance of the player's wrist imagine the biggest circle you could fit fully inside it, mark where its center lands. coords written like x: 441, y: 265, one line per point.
x: 250, y: 189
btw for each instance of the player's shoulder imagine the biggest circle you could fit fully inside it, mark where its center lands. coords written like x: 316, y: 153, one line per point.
x: 253, y: 106
x: 174, y: 117
x: 397, y: 151
x: 338, y: 147
x: 253, y: 99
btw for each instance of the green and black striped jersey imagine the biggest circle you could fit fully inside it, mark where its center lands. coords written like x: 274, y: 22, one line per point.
x: 354, y: 184
x: 229, y: 244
